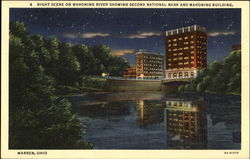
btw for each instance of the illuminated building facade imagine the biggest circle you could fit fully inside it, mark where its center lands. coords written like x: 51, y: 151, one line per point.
x: 186, y: 52
x: 149, y: 65
x: 130, y: 73
x: 187, y: 120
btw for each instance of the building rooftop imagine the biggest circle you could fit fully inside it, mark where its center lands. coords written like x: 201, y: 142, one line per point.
x: 144, y: 51
x: 185, y: 30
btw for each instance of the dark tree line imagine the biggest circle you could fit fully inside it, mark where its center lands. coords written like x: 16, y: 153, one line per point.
x: 219, y: 77
x: 38, y: 67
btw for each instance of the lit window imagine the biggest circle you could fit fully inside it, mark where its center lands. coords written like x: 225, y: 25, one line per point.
x: 169, y: 50
x: 192, y: 47
x: 192, y: 52
x: 191, y: 42
x: 186, y: 37
x: 174, y: 39
x: 180, y: 58
x: 186, y: 42
x: 192, y: 36
x: 180, y: 53
x: 186, y: 48
x: 180, y: 38
x: 174, y: 59
x: 186, y: 58
x: 192, y: 57
x: 174, y: 49
x: 175, y: 44
x: 169, y: 40
x: 180, y: 48
x: 175, y: 54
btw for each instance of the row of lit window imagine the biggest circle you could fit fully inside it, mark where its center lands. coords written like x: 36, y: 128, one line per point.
x: 185, y: 43
x: 152, y: 57
x: 153, y: 64
x: 181, y: 53
x: 175, y: 124
x: 185, y: 48
x: 155, y: 69
x: 185, y: 114
x: 183, y: 130
x: 181, y: 58
x: 181, y: 114
x: 180, y: 104
x: 181, y: 38
x: 186, y: 37
x: 181, y: 67
x: 183, y: 63
x: 153, y: 72
x: 152, y: 61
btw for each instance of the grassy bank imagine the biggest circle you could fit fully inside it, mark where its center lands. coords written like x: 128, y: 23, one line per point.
x: 87, y: 85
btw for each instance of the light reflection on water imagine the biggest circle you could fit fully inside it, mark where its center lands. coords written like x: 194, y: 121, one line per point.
x: 146, y: 120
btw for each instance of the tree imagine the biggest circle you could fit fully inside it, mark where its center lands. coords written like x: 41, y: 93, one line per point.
x: 36, y: 119
x: 52, y: 66
x: 69, y: 65
x: 18, y: 29
x: 117, y: 66
x: 234, y: 83
x: 181, y: 88
x: 86, y: 58
x: 200, y: 87
x: 223, y: 77
x: 214, y: 67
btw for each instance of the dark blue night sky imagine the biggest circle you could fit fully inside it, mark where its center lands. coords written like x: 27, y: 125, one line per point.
x: 127, y: 30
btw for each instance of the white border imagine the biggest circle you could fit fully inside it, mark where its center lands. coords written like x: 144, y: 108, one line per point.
x: 143, y: 154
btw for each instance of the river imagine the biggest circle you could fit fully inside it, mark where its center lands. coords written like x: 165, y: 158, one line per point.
x: 154, y: 120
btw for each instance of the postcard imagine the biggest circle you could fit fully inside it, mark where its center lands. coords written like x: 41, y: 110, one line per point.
x: 125, y: 79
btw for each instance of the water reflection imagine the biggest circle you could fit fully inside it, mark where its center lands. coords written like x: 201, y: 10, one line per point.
x: 144, y: 121
x: 185, y: 124
x: 150, y: 112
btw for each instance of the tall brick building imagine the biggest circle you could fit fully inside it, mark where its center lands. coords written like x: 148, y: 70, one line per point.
x: 149, y: 65
x: 186, y: 51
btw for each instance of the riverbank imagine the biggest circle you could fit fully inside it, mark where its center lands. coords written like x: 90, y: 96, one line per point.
x: 87, y: 85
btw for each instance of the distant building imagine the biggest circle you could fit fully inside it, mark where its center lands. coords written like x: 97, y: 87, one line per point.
x: 186, y: 52
x: 149, y: 65
x: 236, y: 47
x: 130, y: 73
